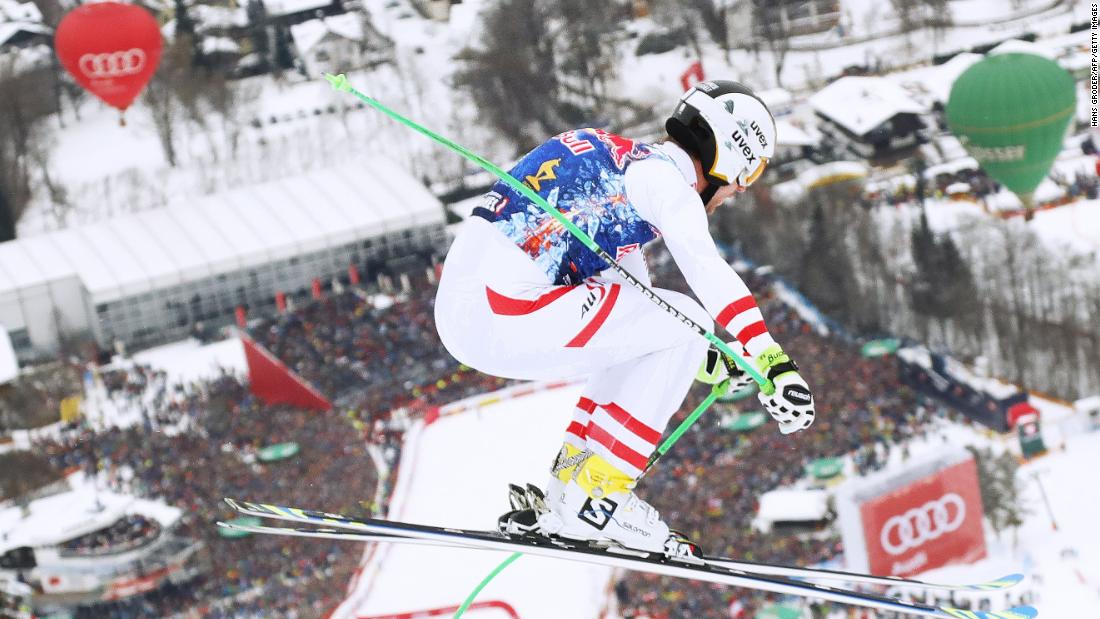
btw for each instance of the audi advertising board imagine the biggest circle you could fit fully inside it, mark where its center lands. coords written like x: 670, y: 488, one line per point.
x: 901, y: 523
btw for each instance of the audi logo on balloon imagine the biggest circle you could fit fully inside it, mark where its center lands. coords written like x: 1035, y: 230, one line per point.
x: 113, y: 64
x: 111, y: 49
x: 923, y: 524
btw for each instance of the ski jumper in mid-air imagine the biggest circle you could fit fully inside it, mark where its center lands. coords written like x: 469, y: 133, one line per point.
x: 520, y: 297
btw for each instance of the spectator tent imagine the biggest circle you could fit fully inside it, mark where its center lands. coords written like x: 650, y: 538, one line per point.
x: 794, y: 511
x: 150, y: 277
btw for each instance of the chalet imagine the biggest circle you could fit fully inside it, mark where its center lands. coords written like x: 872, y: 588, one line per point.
x: 21, y: 26
x: 868, y: 116
x: 339, y: 44
x: 439, y: 10
x: 744, y: 22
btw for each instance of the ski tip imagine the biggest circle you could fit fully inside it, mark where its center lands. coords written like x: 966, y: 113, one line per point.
x: 1001, y: 583
x: 1019, y: 612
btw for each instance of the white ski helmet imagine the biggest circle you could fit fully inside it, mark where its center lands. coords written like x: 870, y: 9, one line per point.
x: 728, y: 128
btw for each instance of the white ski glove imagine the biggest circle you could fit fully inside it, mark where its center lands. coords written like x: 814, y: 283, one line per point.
x: 715, y: 370
x: 791, y: 403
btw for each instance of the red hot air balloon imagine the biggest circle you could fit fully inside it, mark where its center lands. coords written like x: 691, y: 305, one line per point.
x: 112, y: 49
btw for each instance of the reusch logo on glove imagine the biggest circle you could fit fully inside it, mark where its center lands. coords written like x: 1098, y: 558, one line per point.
x: 797, y: 395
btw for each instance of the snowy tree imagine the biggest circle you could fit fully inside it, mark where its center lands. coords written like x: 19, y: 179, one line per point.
x: 538, y: 68
x: 1000, y: 489
x: 771, y: 25
x: 25, y: 100
x: 825, y: 274
x: 284, y: 57
x: 258, y: 32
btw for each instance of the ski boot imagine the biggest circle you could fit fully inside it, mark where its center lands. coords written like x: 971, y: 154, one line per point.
x: 591, y: 501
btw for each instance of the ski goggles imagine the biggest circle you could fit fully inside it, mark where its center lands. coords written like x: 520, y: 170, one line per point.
x: 748, y: 177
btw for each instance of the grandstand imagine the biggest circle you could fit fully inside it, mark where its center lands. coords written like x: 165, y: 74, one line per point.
x: 150, y: 277
x: 78, y: 545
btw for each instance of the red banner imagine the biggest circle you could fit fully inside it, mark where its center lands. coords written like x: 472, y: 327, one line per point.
x: 934, y: 521
x: 275, y: 383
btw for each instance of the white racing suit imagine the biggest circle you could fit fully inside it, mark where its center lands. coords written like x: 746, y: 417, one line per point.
x: 520, y: 298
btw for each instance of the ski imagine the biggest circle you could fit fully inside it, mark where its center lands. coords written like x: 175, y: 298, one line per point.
x: 341, y: 534
x: 732, y: 564
x: 579, y: 551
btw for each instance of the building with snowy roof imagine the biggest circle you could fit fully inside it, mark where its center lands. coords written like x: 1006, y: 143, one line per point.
x: 77, y: 545
x: 339, y: 44
x: 869, y: 116
x: 290, y: 12
x: 151, y: 277
x: 21, y: 25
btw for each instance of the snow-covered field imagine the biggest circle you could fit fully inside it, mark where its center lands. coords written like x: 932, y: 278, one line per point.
x: 189, y: 360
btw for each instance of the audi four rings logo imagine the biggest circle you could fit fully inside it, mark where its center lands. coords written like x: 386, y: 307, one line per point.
x: 923, y: 524
x: 113, y: 64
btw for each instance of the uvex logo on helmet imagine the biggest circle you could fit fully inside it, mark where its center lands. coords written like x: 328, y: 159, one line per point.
x: 755, y: 126
x: 112, y: 64
x: 741, y: 142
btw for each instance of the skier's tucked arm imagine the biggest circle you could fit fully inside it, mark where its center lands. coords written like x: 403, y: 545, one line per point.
x: 677, y: 211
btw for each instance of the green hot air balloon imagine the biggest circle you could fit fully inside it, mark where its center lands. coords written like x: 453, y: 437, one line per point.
x: 1010, y: 111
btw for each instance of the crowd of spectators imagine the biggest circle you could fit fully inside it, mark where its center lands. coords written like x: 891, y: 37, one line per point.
x: 190, y: 454
x: 972, y: 183
x: 195, y: 444
x: 369, y: 355
x: 383, y: 365
x: 33, y: 398
x: 127, y: 533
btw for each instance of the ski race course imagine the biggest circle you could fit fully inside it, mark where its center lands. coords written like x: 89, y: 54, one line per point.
x: 434, y: 487
x: 456, y: 472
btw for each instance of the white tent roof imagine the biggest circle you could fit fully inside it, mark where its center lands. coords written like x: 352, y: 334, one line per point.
x: 859, y: 104
x: 60, y: 517
x: 793, y: 505
x: 224, y: 232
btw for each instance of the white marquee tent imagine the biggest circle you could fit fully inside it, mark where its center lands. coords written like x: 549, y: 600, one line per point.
x: 54, y: 282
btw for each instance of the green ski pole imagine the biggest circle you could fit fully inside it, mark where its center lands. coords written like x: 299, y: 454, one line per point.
x: 340, y: 82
